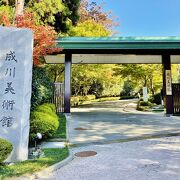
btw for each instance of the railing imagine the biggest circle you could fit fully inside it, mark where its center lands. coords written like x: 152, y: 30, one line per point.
x: 176, y: 98
x: 58, y: 96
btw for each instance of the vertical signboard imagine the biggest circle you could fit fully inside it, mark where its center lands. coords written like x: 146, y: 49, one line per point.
x: 168, y: 83
x: 145, y: 94
x: 16, y: 47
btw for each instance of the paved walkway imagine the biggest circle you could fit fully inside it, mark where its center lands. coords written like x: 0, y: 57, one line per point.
x: 150, y: 159
x: 109, y: 121
x: 155, y: 159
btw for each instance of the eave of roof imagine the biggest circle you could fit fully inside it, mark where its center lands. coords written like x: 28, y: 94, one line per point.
x: 77, y: 43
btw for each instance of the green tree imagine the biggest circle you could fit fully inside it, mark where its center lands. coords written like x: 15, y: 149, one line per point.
x: 128, y: 88
x: 64, y: 21
x: 95, y: 79
x: 6, y: 11
x: 61, y: 14
x: 55, y: 72
x: 73, y: 6
x: 175, y: 73
x: 143, y: 75
x: 89, y: 29
x: 45, y: 11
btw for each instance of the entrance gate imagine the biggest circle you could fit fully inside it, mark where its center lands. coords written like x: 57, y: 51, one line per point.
x: 58, y: 96
x: 176, y: 98
x: 118, y: 50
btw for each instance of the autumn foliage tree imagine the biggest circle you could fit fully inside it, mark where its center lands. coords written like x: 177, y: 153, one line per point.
x: 90, y: 10
x: 44, y: 36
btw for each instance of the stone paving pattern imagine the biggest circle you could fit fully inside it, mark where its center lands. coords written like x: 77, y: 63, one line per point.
x: 152, y: 159
x: 155, y: 159
x: 107, y: 121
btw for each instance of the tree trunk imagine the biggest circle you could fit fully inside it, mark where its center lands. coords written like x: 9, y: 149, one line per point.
x: 145, y: 81
x: 6, y: 2
x: 56, y: 76
x: 19, y: 7
x: 151, y: 86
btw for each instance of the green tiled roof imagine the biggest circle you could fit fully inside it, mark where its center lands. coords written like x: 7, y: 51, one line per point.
x: 78, y: 43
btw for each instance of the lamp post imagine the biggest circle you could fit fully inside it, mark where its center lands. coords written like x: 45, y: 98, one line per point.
x: 37, y: 150
x: 38, y: 137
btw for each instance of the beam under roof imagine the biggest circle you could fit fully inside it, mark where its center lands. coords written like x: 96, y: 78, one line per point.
x: 114, y: 50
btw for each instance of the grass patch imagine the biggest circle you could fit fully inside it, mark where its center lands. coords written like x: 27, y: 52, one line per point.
x: 101, y: 100
x: 144, y: 105
x: 61, y: 131
x: 107, y: 99
x: 86, y: 102
x: 52, y: 156
x: 127, y: 97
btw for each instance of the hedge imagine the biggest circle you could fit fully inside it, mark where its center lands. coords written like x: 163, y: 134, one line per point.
x: 127, y: 97
x: 156, y: 98
x: 43, y: 120
x: 145, y: 103
x: 77, y: 100
x: 5, y: 149
x: 46, y: 107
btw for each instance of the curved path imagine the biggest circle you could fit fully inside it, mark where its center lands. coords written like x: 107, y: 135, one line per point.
x: 116, y: 120
x: 107, y: 122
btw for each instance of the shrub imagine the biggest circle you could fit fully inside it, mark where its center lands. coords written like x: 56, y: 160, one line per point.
x: 127, y: 97
x: 77, y: 100
x: 156, y: 98
x: 41, y: 87
x: 139, y: 108
x: 145, y: 103
x: 52, y: 106
x: 96, y: 88
x: 5, y: 149
x: 43, y: 120
x: 89, y: 97
x: 47, y: 108
x: 128, y: 89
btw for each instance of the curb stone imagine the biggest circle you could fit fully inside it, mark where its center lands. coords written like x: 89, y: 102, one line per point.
x: 47, y: 171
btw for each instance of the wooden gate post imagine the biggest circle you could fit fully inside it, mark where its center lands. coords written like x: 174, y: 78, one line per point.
x: 167, y: 83
x: 67, y: 83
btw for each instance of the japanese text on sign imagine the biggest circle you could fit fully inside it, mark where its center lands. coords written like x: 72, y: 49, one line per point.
x: 168, y: 83
x: 8, y: 104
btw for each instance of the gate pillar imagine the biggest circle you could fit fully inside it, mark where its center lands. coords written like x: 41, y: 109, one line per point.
x: 67, y: 83
x: 167, y: 83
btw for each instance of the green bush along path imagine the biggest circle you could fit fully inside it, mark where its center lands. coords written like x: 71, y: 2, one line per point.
x: 43, y: 120
x: 5, y: 149
x: 52, y: 155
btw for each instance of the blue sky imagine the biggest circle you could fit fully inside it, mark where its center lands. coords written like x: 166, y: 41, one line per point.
x: 146, y: 17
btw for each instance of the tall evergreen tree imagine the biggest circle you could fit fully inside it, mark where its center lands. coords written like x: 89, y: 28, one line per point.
x: 64, y: 21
